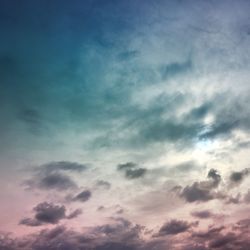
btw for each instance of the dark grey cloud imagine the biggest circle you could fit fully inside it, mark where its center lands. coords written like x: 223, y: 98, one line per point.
x: 215, y: 176
x: 174, y: 227
x: 203, y: 191
x: 83, y: 196
x: 119, y: 235
x: 120, y: 227
x: 203, y: 214
x: 135, y: 173
x: 215, y: 238
x: 49, y: 213
x: 46, y: 213
x: 223, y: 238
x: 132, y: 170
x: 56, y: 181
x: 200, y: 111
x: 237, y: 177
x: 222, y: 241
x: 123, y: 234
x: 196, y: 192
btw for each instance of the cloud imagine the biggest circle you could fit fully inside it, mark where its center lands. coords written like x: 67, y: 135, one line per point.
x: 203, y: 191
x: 74, y: 214
x: 52, y: 176
x: 222, y: 240
x: 235, y: 236
x: 30, y: 222
x: 132, y: 170
x: 203, y: 214
x: 247, y: 197
x: 83, y: 196
x: 215, y: 176
x: 208, y: 234
x: 45, y: 213
x: 174, y: 227
x: 237, y: 177
x: 118, y: 235
x: 126, y: 166
x: 103, y: 184
x: 135, y: 173
x: 48, y: 213
x: 219, y: 129
x: 62, y: 166
x: 121, y: 234
x: 233, y: 199
x: 196, y: 192
x: 200, y: 111
x: 170, y: 131
x: 56, y: 181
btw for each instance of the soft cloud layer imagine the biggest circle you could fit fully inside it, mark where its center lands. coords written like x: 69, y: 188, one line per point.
x: 133, y: 108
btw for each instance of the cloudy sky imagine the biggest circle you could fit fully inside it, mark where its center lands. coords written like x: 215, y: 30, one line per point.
x: 124, y: 125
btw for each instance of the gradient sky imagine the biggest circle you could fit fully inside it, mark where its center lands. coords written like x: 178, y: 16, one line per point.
x: 124, y: 125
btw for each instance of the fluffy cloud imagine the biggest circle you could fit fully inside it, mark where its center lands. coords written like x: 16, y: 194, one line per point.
x: 203, y: 191
x: 132, y: 170
x: 237, y: 177
x: 120, y: 235
x: 56, y: 181
x: 174, y: 227
x: 48, y: 213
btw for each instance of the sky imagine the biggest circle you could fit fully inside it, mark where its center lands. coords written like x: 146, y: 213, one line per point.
x: 124, y: 125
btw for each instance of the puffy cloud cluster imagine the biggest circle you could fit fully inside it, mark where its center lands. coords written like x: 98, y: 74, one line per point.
x: 49, y: 213
x: 204, y: 190
x: 132, y: 170
x: 174, y: 227
x: 120, y: 235
x: 237, y: 177
x: 124, y: 235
